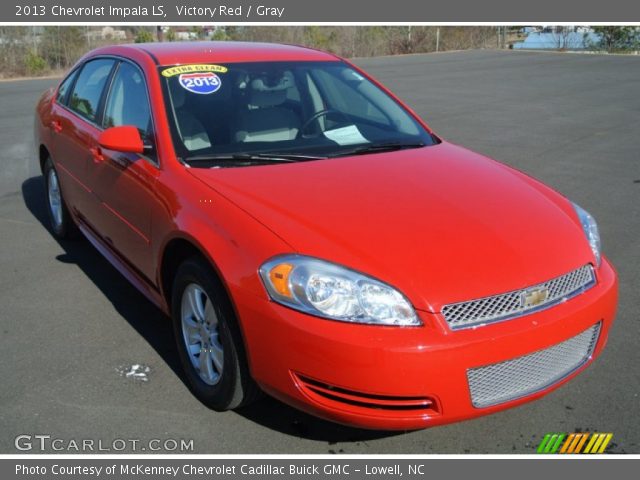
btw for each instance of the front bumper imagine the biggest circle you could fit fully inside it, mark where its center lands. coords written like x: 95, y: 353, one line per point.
x: 405, y: 378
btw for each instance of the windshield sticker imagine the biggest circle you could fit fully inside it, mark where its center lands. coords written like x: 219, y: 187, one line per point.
x: 203, y: 83
x: 346, y: 135
x: 180, y: 69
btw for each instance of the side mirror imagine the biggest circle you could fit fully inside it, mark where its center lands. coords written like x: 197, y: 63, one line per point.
x: 122, y: 139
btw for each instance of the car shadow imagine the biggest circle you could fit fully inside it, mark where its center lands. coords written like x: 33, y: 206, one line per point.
x: 154, y: 326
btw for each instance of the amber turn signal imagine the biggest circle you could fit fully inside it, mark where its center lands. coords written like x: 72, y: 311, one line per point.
x: 279, y: 276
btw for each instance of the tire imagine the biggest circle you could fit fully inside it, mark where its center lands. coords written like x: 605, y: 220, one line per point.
x: 62, y: 224
x: 208, y: 339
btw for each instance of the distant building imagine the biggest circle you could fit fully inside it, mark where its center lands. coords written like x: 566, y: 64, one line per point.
x: 559, y: 40
x: 107, y: 33
x: 186, y: 35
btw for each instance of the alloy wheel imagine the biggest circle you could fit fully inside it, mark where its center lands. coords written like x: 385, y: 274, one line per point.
x: 201, y: 334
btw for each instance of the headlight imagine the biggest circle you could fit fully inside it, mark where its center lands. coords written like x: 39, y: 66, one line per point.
x: 590, y: 228
x: 326, y: 290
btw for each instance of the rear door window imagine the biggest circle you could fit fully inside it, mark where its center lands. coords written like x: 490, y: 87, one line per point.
x: 63, y: 90
x: 88, y: 89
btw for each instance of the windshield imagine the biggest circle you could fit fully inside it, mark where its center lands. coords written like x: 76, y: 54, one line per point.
x: 297, y: 110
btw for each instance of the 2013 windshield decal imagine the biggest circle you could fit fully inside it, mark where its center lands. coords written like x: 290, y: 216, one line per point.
x: 198, y: 78
x: 203, y: 83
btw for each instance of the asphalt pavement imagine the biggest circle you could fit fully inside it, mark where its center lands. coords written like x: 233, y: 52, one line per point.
x: 71, y: 327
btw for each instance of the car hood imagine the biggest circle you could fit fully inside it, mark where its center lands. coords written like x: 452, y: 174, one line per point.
x: 440, y: 223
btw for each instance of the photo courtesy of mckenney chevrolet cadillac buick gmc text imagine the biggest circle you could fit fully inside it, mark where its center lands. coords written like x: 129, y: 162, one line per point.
x: 312, y: 238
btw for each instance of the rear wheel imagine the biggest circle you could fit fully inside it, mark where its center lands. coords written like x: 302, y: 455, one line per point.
x: 62, y: 224
x: 208, y: 339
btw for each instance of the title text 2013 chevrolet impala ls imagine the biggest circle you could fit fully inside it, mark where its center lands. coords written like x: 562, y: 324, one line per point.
x: 312, y: 238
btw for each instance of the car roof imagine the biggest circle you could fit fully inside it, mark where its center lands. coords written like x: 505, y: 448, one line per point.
x: 173, y: 53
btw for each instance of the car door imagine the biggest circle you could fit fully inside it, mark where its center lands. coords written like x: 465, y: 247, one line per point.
x: 75, y: 132
x: 124, y: 182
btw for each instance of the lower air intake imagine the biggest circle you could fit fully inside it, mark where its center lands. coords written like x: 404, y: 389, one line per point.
x: 335, y: 396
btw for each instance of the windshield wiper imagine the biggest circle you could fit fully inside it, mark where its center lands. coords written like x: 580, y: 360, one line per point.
x: 231, y: 157
x: 292, y: 156
x: 378, y: 148
x: 251, y: 157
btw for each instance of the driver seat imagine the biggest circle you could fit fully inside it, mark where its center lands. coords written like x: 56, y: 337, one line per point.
x: 265, y: 119
x: 193, y: 133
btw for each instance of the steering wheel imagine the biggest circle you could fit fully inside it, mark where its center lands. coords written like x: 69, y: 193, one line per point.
x: 322, y: 113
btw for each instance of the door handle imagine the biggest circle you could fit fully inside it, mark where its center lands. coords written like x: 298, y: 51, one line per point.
x: 96, y: 153
x: 56, y: 126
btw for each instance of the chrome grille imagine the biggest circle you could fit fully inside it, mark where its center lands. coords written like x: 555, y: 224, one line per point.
x: 501, y: 382
x: 510, y: 305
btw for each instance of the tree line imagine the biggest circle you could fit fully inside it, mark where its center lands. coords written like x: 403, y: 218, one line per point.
x: 33, y: 50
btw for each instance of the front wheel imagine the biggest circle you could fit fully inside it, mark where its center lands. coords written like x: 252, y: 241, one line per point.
x: 208, y: 339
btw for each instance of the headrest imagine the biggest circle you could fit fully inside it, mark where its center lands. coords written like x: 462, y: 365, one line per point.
x: 268, y: 91
x: 267, y: 99
x: 266, y: 83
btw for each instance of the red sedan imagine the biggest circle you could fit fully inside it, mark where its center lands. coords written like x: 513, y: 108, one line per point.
x: 312, y: 238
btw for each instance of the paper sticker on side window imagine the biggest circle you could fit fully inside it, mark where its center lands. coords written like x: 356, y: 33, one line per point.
x: 202, y: 83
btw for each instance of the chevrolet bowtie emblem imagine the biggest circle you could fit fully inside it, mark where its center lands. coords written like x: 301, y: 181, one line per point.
x: 534, y: 296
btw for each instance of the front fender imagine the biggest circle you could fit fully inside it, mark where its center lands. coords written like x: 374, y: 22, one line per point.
x: 235, y: 244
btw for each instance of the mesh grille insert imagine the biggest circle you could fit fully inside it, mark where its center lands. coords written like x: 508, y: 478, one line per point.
x: 501, y: 382
x: 514, y: 304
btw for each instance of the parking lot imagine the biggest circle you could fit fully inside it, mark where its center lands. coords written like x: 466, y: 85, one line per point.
x: 71, y: 326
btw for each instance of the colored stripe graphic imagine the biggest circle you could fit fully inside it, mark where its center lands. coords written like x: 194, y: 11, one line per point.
x: 556, y: 445
x: 573, y: 443
x: 568, y: 442
x: 598, y: 443
x: 583, y: 439
x: 605, y: 442
x: 551, y: 442
x: 543, y: 443
x: 592, y: 440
